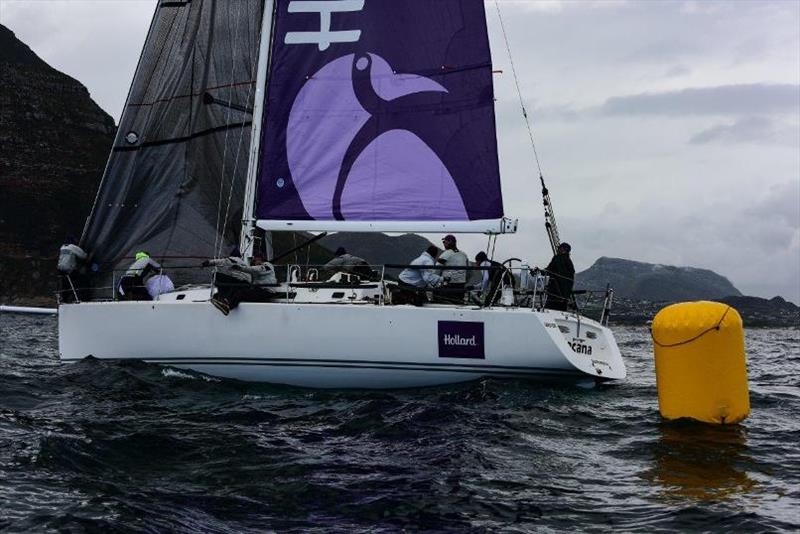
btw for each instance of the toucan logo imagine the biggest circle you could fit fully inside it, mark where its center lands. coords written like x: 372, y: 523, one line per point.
x: 355, y: 142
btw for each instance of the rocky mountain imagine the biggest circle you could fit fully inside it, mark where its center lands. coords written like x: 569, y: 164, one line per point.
x: 377, y: 248
x: 653, y: 282
x: 55, y: 141
x: 756, y: 311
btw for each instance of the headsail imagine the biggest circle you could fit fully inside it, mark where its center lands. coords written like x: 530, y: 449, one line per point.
x: 379, y: 111
x: 176, y: 174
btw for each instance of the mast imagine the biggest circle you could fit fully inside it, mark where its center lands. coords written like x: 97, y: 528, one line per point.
x: 248, y: 215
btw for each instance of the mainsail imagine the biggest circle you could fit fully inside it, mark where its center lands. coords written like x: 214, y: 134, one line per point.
x: 379, y: 111
x: 175, y: 179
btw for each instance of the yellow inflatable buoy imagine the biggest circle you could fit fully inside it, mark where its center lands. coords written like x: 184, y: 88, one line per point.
x: 701, y: 371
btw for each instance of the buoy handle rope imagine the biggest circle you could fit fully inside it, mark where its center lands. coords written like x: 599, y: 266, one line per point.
x: 695, y: 338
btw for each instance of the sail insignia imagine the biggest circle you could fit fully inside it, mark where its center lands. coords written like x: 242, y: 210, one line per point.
x: 379, y: 111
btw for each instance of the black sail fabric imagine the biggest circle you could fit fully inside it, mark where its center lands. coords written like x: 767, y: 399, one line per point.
x: 175, y: 180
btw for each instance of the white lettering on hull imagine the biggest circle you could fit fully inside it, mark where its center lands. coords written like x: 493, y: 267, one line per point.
x: 460, y: 341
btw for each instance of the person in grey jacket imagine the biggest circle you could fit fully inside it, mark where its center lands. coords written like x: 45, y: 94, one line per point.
x: 348, y: 263
x: 72, y: 270
x: 236, y: 281
x: 456, y: 279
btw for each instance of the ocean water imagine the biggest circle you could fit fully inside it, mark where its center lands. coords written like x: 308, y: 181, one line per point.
x: 141, y: 448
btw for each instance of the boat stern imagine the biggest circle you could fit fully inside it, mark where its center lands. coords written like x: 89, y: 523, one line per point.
x: 588, y: 345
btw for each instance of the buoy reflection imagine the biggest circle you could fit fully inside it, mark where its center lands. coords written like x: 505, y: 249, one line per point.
x: 701, y: 461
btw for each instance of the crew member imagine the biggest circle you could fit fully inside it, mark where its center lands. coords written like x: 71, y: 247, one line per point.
x: 491, y: 276
x: 416, y: 278
x: 71, y: 260
x: 348, y: 263
x: 133, y: 285
x: 261, y: 271
x: 456, y: 279
x: 562, y: 277
x: 236, y: 281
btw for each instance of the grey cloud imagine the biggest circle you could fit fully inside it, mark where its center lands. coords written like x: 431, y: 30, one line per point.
x: 677, y: 70
x: 750, y: 50
x: 732, y: 100
x: 757, y: 98
x: 760, y: 130
x: 560, y: 113
x: 780, y: 205
x: 661, y: 51
x: 757, y: 248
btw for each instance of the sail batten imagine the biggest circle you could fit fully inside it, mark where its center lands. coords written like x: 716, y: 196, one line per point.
x: 379, y: 111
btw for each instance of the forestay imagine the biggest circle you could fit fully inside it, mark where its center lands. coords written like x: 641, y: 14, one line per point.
x: 378, y: 111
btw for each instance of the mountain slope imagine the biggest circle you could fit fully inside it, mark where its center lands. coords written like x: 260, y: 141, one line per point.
x: 55, y: 143
x: 647, y: 281
x: 378, y: 248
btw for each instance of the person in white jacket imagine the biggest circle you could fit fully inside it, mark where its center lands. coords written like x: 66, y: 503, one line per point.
x: 414, y: 280
x: 422, y: 278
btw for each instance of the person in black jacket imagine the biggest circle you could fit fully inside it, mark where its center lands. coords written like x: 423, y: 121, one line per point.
x: 491, y: 277
x: 562, y: 277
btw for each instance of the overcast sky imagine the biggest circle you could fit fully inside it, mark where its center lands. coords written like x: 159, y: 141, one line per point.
x: 668, y: 132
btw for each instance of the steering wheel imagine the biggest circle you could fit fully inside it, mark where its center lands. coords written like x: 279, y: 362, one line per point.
x: 508, y: 273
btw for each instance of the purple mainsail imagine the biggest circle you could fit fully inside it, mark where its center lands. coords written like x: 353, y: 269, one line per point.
x: 379, y: 110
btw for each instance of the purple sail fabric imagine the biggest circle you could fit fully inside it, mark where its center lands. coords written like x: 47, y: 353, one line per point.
x: 379, y: 110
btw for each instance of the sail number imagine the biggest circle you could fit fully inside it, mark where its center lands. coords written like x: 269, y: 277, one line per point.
x: 325, y: 36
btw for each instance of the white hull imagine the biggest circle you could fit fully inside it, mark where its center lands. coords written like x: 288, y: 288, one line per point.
x: 338, y: 345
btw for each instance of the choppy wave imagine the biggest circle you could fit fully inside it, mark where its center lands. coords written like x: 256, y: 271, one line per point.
x: 137, y: 447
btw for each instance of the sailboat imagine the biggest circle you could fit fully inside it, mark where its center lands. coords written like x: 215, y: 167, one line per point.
x: 251, y: 117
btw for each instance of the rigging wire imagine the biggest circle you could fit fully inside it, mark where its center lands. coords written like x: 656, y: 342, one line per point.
x: 235, y: 170
x: 549, y: 214
x: 219, y: 239
x: 516, y: 83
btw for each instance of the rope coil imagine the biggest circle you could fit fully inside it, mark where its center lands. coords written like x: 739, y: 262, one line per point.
x: 695, y: 338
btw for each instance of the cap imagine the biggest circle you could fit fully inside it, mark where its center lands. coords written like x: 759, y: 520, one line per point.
x: 141, y: 255
x: 449, y: 237
x: 565, y: 246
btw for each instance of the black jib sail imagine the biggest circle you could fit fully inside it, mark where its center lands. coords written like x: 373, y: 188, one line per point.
x: 174, y: 182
